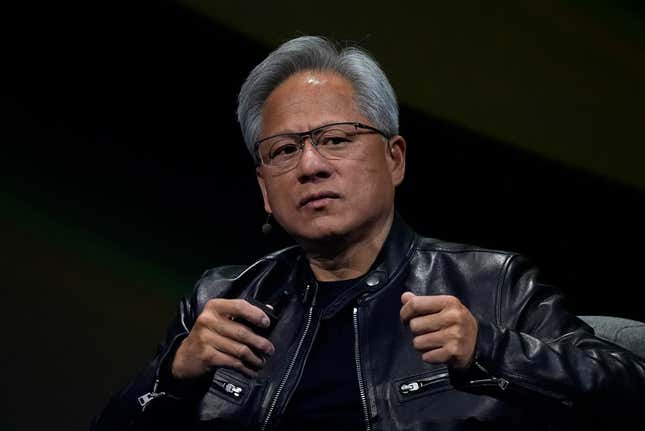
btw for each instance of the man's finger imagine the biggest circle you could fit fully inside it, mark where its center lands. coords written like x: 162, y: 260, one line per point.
x: 237, y: 350
x: 430, y: 341
x: 225, y: 360
x: 427, y: 323
x: 245, y: 335
x: 240, y: 309
x: 420, y: 305
x: 406, y: 297
x: 437, y: 356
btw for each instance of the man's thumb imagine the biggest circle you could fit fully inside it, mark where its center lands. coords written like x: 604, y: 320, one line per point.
x: 406, y: 297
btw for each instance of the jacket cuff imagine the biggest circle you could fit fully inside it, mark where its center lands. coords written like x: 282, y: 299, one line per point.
x: 482, y: 358
x: 486, y: 342
x: 178, y: 388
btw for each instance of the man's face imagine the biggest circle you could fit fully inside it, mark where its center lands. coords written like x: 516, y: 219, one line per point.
x: 319, y: 198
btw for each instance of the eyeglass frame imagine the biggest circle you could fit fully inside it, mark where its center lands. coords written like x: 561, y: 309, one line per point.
x: 310, y: 133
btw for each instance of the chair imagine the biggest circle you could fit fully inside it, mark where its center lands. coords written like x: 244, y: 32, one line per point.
x: 627, y: 333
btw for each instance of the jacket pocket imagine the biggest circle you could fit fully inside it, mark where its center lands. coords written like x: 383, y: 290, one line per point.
x: 421, y: 385
x: 232, y: 398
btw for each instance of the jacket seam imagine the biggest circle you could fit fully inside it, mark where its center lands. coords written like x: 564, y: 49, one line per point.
x: 502, y: 278
x: 464, y: 250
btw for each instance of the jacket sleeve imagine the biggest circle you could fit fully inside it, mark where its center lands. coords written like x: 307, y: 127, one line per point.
x: 536, y: 347
x: 152, y: 400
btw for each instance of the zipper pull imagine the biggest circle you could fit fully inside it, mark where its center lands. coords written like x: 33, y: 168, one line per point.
x: 416, y: 385
x: 230, y: 388
x: 501, y: 382
x: 409, y: 387
x: 236, y: 391
x: 146, y: 398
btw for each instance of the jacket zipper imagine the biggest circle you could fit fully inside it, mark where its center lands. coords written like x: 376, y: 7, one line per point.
x: 421, y: 385
x: 145, y: 399
x: 359, y: 371
x: 504, y: 385
x: 292, y: 363
x: 500, y: 382
x: 229, y: 388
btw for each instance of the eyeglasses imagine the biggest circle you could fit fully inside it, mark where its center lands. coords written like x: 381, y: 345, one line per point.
x: 332, y: 141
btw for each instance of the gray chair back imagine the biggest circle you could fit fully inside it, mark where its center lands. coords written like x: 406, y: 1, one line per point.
x: 627, y: 333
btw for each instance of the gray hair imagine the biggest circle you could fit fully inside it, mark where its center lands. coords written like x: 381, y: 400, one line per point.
x: 375, y: 97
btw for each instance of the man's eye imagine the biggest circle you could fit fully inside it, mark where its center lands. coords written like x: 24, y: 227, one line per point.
x: 333, y: 140
x: 283, y: 150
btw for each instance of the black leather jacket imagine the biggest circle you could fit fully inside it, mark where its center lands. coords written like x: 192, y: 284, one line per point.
x: 535, y: 362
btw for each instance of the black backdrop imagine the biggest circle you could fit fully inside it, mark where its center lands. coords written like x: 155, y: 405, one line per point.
x: 121, y: 125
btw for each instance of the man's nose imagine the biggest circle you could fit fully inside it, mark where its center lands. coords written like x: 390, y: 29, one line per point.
x: 312, y: 165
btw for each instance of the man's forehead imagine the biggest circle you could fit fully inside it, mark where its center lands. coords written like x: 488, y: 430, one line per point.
x: 309, y: 99
x: 316, y: 80
x: 312, y: 79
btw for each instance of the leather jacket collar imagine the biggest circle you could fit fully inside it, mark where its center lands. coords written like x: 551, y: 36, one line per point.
x: 396, y: 251
x: 392, y: 257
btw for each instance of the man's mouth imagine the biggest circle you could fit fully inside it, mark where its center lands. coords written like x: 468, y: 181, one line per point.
x: 315, y: 199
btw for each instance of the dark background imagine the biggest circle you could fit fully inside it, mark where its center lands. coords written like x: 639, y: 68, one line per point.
x: 124, y: 176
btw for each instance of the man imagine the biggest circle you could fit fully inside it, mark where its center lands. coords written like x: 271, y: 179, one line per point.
x: 363, y: 324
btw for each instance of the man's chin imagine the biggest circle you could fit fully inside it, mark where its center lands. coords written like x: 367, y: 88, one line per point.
x: 319, y: 234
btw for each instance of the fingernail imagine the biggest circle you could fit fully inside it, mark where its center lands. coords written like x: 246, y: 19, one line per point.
x: 266, y: 322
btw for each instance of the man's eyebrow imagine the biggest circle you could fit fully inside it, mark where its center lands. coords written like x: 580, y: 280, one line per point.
x: 286, y: 132
x: 297, y: 132
x: 282, y: 133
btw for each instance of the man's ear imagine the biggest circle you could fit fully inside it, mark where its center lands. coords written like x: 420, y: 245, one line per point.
x: 397, y: 158
x: 263, y: 189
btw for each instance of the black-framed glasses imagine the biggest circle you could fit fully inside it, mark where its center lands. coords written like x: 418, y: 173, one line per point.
x: 332, y: 141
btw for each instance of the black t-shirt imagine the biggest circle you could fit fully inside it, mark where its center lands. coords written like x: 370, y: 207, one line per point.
x: 328, y: 395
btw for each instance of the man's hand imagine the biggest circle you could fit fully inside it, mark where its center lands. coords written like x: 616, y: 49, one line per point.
x: 445, y: 330
x: 218, y: 340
